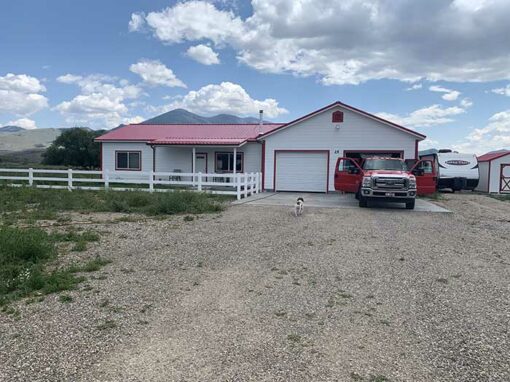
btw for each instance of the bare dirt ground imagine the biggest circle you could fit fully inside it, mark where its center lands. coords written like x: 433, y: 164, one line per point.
x: 255, y: 294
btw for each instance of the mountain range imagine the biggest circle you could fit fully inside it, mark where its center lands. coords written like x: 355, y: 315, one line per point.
x: 21, y: 143
x: 11, y: 129
x: 185, y: 117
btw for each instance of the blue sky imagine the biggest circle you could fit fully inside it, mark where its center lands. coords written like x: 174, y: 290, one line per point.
x: 440, y: 67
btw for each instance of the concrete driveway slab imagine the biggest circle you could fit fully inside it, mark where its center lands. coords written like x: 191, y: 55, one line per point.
x: 331, y: 200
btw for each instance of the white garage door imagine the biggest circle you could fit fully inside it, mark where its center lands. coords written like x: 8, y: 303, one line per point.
x: 301, y: 171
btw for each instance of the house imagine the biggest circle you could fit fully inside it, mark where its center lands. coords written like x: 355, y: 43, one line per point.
x: 296, y: 156
x: 494, y: 172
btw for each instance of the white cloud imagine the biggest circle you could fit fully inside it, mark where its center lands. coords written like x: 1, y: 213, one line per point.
x: 450, y: 95
x: 466, y: 103
x: 19, y: 94
x: 25, y: 123
x: 425, y: 117
x: 494, y: 136
x: 154, y: 73
x: 101, y: 102
x: 502, y: 91
x: 135, y: 119
x: 351, y: 41
x: 428, y: 144
x: 415, y: 87
x: 21, y: 83
x: 203, y: 54
x: 226, y: 97
x: 137, y: 22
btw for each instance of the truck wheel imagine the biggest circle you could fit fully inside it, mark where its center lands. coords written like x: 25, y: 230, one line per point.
x: 363, y: 202
x: 410, y: 205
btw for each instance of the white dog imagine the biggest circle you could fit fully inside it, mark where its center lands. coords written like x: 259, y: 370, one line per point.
x: 299, y: 207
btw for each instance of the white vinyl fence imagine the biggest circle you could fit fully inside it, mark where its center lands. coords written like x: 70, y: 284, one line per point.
x: 240, y: 185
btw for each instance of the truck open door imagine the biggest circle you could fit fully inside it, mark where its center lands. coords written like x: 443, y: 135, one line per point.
x: 426, y: 177
x: 348, y: 175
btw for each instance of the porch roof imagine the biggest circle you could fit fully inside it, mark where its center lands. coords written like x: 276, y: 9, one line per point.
x: 189, y: 134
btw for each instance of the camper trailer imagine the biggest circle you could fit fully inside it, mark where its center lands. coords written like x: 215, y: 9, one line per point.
x: 455, y: 171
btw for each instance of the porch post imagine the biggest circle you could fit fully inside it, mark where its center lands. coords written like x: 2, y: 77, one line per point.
x: 235, y: 164
x: 193, y: 164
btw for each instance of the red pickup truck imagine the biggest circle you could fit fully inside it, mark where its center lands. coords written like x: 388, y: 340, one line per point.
x: 385, y: 179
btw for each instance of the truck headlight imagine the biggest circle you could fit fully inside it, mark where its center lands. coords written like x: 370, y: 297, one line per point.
x: 412, y: 182
x: 367, y: 181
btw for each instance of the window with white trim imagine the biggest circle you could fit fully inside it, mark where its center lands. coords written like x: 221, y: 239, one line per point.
x: 128, y: 160
x: 225, y: 162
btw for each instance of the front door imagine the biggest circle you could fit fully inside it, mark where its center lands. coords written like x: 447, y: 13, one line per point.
x: 201, y: 163
x: 426, y: 177
x: 348, y: 175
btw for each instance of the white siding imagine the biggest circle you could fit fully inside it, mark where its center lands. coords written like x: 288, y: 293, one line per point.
x: 169, y: 158
x: 108, y: 156
x: 357, y: 132
x: 484, y: 177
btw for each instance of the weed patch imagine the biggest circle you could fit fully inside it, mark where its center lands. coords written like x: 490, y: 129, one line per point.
x: 65, y: 298
x: 23, y: 256
x: 37, y: 204
x: 91, y: 266
x: 108, y: 324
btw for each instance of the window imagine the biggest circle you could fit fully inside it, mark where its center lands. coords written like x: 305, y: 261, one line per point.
x: 346, y: 165
x: 128, y: 160
x: 225, y: 162
x: 426, y: 166
x: 384, y: 164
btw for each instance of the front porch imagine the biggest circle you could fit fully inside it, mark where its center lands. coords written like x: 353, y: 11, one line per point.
x: 219, y: 165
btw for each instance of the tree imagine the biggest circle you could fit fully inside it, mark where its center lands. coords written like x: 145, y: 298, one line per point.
x: 75, y: 147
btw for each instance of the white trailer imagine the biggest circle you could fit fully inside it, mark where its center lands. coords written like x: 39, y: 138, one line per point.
x: 456, y: 171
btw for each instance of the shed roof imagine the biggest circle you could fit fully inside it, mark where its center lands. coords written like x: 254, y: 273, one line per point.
x: 493, y: 155
x: 189, y: 134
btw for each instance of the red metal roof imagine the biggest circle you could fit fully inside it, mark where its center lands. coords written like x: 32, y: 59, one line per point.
x: 217, y: 134
x: 493, y: 155
x: 192, y: 134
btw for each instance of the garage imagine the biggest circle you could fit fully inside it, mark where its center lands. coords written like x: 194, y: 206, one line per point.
x: 301, y: 155
x: 305, y: 170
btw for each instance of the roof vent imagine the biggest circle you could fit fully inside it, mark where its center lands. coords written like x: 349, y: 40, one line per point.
x: 337, y: 117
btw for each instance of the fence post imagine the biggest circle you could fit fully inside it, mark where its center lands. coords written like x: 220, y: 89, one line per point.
x: 70, y: 179
x: 106, y: 178
x: 237, y: 178
x: 30, y: 176
x: 246, y: 185
x: 199, y: 181
x: 151, y: 181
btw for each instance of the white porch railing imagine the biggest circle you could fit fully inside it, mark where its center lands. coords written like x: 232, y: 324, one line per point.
x: 241, y: 185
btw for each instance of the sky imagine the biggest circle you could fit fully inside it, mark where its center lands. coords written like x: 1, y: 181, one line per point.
x: 441, y: 67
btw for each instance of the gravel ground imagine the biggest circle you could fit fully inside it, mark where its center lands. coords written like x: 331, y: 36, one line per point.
x: 254, y: 294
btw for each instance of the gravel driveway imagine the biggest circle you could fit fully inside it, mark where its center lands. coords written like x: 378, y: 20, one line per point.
x: 255, y: 294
